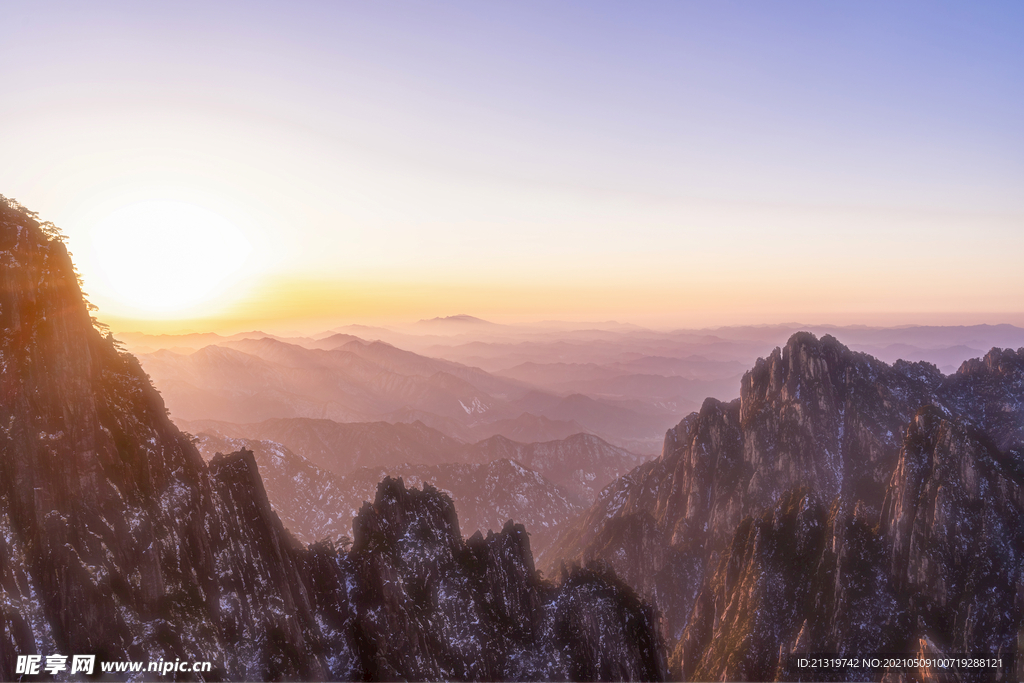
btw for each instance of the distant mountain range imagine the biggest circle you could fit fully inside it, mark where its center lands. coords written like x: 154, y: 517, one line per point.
x: 317, y: 504
x: 453, y: 324
x: 344, y: 447
x: 581, y: 463
x: 348, y: 380
x: 524, y: 382
x: 119, y: 541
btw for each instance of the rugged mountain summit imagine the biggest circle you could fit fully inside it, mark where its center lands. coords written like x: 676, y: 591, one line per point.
x: 989, y: 394
x: 771, y: 516
x: 116, y: 539
x: 812, y: 415
x: 438, y: 607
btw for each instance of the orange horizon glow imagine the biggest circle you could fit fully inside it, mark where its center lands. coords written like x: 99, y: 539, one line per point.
x: 502, y: 161
x: 284, y: 305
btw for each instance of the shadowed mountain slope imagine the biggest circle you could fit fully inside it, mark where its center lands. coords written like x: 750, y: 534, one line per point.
x: 117, y: 539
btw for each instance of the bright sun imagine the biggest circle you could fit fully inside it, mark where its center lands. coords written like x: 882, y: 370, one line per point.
x: 163, y: 257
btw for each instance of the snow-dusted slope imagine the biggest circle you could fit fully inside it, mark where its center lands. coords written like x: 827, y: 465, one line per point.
x: 814, y: 455
x: 116, y: 539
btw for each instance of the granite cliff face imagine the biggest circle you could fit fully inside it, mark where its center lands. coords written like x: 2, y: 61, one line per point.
x: 813, y: 415
x: 116, y: 539
x: 942, y: 567
x: 840, y: 505
x: 954, y: 523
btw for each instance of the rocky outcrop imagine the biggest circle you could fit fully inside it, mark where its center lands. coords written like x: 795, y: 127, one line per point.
x: 988, y: 393
x: 943, y: 568
x: 799, y: 579
x: 487, y: 495
x: 116, y: 539
x: 432, y: 606
x: 311, y: 503
x: 699, y: 530
x: 954, y: 519
x: 814, y: 415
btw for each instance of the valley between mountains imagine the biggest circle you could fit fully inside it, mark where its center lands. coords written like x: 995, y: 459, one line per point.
x: 118, y: 540
x: 460, y: 500
x: 839, y: 505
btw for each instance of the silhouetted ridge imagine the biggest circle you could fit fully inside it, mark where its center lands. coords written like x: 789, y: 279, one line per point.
x: 116, y: 539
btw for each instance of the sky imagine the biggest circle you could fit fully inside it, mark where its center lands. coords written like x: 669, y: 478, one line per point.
x: 220, y: 166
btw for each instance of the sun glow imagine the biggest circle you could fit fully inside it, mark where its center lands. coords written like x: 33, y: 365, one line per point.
x: 162, y: 257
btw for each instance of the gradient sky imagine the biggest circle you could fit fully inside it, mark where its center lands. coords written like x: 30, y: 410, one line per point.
x: 661, y: 163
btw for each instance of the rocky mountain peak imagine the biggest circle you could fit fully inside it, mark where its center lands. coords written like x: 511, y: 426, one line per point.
x: 116, y: 539
x: 996, y: 362
x: 911, y: 479
x: 424, y: 518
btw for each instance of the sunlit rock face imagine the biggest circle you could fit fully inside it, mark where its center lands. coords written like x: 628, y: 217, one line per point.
x: 116, y: 539
x: 943, y: 566
x: 954, y: 522
x: 761, y: 526
x: 813, y: 415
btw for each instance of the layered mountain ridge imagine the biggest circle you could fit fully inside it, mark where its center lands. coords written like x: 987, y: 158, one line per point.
x: 581, y: 463
x: 116, y: 539
x: 354, y: 381
x: 317, y: 504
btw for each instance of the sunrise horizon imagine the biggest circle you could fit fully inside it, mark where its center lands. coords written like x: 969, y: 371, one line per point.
x: 317, y: 326
x: 722, y: 166
x: 512, y: 341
